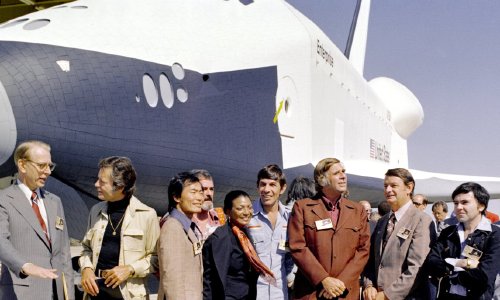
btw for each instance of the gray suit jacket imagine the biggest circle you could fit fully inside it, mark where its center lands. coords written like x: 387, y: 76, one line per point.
x: 22, y: 240
x: 396, y: 271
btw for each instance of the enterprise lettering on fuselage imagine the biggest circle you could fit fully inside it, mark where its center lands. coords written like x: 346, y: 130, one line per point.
x: 325, y: 55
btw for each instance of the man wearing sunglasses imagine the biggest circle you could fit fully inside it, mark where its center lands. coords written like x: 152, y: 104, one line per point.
x: 420, y: 201
x: 34, y: 243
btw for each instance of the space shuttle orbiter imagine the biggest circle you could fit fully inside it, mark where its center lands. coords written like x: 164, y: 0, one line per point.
x: 228, y: 86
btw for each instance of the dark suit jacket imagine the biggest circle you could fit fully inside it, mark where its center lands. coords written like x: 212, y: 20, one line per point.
x: 216, y: 256
x: 340, y: 253
x: 22, y: 240
x: 396, y: 271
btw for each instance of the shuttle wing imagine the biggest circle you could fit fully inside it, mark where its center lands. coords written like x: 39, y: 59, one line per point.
x: 439, y: 186
x: 366, y: 182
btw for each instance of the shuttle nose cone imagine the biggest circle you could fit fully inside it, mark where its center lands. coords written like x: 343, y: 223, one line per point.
x: 8, y: 132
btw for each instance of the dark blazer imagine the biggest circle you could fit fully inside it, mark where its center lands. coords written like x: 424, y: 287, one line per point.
x: 22, y: 240
x: 216, y: 256
x: 340, y: 253
x: 479, y: 282
x: 397, y: 271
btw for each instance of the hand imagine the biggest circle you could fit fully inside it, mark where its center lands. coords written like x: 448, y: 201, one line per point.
x: 290, y: 284
x: 323, y: 294
x: 370, y: 293
x: 37, y: 271
x: 332, y: 287
x: 117, y: 275
x: 381, y: 296
x: 88, y: 282
x: 462, y: 263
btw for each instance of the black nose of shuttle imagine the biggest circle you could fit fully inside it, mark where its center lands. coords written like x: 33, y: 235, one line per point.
x: 8, y: 132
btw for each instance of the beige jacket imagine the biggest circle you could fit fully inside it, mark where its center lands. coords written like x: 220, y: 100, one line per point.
x: 181, y: 270
x: 139, y: 234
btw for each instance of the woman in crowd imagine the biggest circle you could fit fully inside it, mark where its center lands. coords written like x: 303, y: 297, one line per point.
x: 230, y: 264
x: 466, y: 258
x: 301, y: 188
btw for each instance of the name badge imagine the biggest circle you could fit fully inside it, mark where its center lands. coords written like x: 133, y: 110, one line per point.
x: 472, y: 253
x: 404, y: 233
x: 59, y: 223
x: 324, y: 224
x: 197, y: 248
x: 283, y: 246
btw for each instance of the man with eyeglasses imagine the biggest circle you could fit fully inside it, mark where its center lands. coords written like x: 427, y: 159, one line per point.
x: 420, y: 201
x: 34, y: 242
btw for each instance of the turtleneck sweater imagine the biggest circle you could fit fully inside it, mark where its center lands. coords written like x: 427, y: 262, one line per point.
x: 110, y: 249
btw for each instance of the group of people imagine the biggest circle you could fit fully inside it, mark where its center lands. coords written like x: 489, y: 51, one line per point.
x: 321, y: 245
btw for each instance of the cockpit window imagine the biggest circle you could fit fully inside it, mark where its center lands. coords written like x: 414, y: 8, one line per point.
x: 150, y: 91
x: 178, y: 71
x: 36, y: 24
x: 14, y: 23
x: 166, y: 92
x: 182, y: 95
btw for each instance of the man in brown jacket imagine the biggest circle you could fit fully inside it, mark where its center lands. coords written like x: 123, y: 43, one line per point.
x: 329, y: 238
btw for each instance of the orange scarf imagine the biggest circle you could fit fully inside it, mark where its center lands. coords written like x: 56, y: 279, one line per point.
x: 251, y: 255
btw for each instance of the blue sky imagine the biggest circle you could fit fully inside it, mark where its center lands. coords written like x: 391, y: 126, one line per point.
x: 447, y: 53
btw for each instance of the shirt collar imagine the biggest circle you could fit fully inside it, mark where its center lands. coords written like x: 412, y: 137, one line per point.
x: 258, y: 209
x: 26, y: 190
x: 402, y: 210
x: 182, y: 218
x: 330, y: 204
x: 484, y: 225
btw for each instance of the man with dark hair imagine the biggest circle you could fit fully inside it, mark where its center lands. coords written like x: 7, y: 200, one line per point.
x: 180, y: 243
x: 420, y: 201
x: 119, y: 247
x: 268, y: 232
x: 208, y: 219
x: 34, y: 243
x: 383, y: 208
x: 329, y: 238
x: 466, y: 258
x: 399, y: 244
x: 440, y: 212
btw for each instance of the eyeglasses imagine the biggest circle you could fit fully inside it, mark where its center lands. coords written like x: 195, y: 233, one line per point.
x: 417, y: 204
x: 43, y: 166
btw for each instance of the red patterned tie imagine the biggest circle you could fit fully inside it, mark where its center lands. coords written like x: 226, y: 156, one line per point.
x: 36, y: 209
x: 389, y: 229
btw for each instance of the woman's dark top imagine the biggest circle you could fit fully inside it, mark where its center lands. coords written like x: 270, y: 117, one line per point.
x: 225, y: 261
x: 238, y: 275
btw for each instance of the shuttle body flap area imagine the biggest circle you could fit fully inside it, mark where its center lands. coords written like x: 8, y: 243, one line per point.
x: 225, y: 124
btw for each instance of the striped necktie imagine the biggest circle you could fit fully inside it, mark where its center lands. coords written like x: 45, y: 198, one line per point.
x: 389, y: 229
x: 36, y: 209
